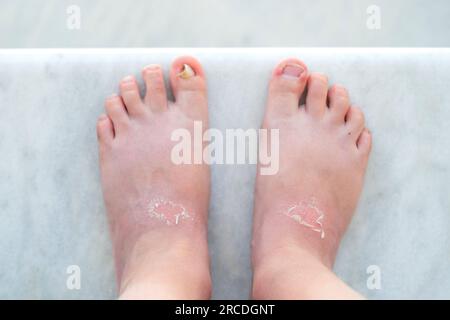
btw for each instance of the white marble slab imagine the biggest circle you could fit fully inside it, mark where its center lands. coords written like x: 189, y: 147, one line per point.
x: 218, y: 23
x: 51, y: 209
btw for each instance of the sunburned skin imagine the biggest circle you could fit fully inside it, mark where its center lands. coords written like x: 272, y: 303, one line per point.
x: 167, y: 212
x: 308, y: 215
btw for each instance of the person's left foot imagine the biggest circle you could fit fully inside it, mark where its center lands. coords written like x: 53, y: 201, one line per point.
x: 157, y: 209
x: 302, y: 211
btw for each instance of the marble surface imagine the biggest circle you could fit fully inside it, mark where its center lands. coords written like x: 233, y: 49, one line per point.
x: 51, y: 209
x: 218, y: 23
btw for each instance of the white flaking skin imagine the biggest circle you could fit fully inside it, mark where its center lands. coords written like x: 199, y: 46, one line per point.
x: 298, y: 211
x: 178, y: 217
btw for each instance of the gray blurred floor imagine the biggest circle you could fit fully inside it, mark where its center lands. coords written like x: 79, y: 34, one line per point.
x: 214, y: 23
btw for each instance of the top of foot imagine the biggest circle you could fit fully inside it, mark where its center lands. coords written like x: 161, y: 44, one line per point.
x: 324, y: 148
x: 157, y: 215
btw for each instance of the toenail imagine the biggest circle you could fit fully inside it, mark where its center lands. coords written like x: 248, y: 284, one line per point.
x: 187, y: 72
x: 339, y: 89
x: 128, y: 79
x: 112, y: 96
x: 293, y: 71
x: 321, y: 77
x: 151, y: 69
x: 102, y: 117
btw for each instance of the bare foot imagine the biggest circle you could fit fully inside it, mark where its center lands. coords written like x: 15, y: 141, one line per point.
x: 157, y: 209
x: 302, y: 212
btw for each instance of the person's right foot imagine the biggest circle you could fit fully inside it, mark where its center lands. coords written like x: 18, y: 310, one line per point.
x: 157, y: 209
x: 302, y: 211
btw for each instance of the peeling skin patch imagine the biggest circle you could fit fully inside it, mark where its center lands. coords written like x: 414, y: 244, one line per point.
x: 167, y: 211
x: 307, y: 214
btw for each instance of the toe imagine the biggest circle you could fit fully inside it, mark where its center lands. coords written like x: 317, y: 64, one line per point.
x: 354, y: 124
x: 130, y: 94
x: 364, y: 142
x: 339, y: 102
x: 189, y: 86
x: 105, y: 130
x: 286, y: 86
x: 155, y: 97
x: 316, y: 99
x: 116, y: 111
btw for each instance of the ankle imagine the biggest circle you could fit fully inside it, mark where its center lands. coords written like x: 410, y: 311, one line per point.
x: 187, y: 284
x: 178, y: 268
x: 273, y: 272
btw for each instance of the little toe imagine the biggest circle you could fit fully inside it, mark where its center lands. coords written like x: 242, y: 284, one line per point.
x: 156, y: 96
x: 189, y: 87
x: 364, y: 142
x: 354, y: 122
x: 339, y: 103
x: 286, y: 86
x: 117, y: 112
x: 316, y: 98
x: 131, y: 96
x: 105, y: 130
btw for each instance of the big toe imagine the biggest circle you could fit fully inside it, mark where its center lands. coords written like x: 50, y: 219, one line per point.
x: 286, y: 86
x: 189, y: 87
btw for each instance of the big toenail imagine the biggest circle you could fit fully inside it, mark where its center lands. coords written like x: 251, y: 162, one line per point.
x: 293, y: 71
x: 187, y: 72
